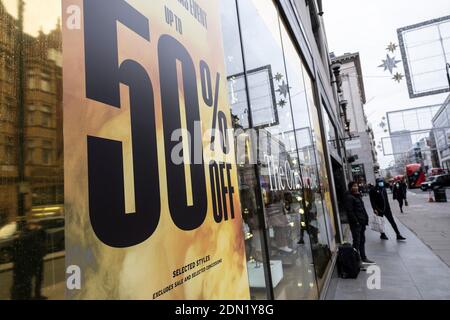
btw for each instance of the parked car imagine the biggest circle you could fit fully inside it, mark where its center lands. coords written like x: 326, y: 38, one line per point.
x: 54, y: 240
x: 54, y: 229
x: 8, y: 234
x: 436, y: 181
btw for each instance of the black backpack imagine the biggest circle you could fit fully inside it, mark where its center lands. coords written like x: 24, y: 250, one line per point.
x: 348, y: 262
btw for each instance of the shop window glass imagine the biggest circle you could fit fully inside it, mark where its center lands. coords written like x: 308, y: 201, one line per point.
x: 31, y: 197
x: 249, y: 191
x: 330, y: 133
x: 307, y: 135
x: 279, y: 165
x: 322, y: 190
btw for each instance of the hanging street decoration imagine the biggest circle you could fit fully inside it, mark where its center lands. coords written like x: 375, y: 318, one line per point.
x: 283, y: 89
x: 278, y: 77
x: 398, y: 77
x: 383, y: 125
x: 389, y: 64
x: 282, y: 103
x: 392, y: 47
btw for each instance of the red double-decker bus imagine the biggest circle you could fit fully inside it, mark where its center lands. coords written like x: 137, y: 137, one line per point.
x: 415, y: 175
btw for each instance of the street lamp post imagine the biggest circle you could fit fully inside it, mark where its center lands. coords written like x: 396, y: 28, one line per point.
x: 20, y: 95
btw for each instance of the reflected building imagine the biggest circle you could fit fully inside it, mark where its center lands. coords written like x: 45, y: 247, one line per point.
x: 441, y: 135
x: 31, y: 141
x: 401, y: 144
x: 365, y: 167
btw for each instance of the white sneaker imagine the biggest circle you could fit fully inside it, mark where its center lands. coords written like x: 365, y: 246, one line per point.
x: 286, y: 249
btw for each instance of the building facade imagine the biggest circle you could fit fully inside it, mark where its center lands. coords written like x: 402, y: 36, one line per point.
x: 283, y: 98
x: 362, y: 143
x: 422, y: 153
x: 31, y: 138
x: 441, y: 131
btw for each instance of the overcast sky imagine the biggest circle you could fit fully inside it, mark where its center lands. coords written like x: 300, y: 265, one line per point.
x: 368, y: 27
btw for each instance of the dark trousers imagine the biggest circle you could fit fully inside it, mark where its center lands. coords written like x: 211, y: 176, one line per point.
x: 39, y: 277
x: 391, y: 220
x: 23, y: 275
x: 359, y: 239
x: 22, y: 284
x: 401, y: 203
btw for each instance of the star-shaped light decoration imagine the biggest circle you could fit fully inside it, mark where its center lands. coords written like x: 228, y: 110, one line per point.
x: 283, y: 89
x: 389, y: 64
x: 398, y: 77
x: 278, y: 77
x: 392, y: 47
x: 282, y: 103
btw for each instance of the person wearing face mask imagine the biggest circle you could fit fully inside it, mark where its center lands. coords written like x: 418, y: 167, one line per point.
x: 399, y: 191
x: 380, y: 204
x: 358, y: 220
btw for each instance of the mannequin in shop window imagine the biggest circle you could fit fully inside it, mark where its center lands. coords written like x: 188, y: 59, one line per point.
x: 309, y: 216
x: 251, y: 225
x: 278, y: 221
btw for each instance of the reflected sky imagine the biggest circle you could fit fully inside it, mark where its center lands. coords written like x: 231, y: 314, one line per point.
x: 38, y: 15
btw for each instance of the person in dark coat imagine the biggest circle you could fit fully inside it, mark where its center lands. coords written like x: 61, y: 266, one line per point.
x: 358, y: 220
x: 399, y: 191
x: 380, y: 204
x: 28, y: 255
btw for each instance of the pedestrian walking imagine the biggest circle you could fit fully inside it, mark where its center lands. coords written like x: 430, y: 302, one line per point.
x: 380, y: 205
x: 358, y: 220
x: 399, y: 192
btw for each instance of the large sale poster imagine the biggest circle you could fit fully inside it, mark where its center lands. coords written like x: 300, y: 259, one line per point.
x: 151, y: 191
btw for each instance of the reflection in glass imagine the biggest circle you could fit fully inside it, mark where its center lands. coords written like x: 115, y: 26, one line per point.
x: 310, y: 150
x: 289, y: 230
x: 31, y: 157
x: 331, y: 134
x: 248, y: 182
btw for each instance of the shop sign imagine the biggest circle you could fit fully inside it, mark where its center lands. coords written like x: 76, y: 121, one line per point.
x: 353, y: 144
x: 151, y: 195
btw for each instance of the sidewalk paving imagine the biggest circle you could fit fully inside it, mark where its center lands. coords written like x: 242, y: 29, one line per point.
x: 409, y: 270
x: 430, y: 222
x: 55, y: 292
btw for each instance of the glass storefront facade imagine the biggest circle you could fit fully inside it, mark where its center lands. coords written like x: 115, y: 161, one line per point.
x: 272, y: 97
x: 286, y: 205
